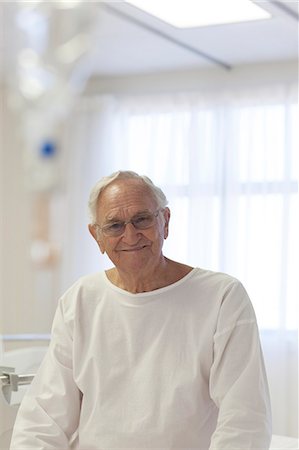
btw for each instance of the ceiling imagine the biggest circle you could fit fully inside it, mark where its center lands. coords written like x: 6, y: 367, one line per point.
x: 126, y: 40
x: 149, y: 44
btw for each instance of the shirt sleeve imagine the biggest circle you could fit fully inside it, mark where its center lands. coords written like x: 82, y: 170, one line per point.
x: 49, y: 413
x: 238, y: 383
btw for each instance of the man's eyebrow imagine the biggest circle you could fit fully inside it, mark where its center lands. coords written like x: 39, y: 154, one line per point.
x: 112, y: 219
x: 117, y: 219
x: 145, y: 211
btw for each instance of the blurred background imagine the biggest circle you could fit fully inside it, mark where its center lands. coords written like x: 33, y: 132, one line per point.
x: 205, y: 105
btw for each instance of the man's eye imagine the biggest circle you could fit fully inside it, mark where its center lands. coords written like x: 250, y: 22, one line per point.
x: 115, y: 226
x: 142, y: 220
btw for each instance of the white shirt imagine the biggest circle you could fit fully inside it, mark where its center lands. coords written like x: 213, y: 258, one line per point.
x: 176, y: 368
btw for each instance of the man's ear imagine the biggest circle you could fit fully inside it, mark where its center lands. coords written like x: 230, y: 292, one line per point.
x: 94, y: 232
x: 166, y: 214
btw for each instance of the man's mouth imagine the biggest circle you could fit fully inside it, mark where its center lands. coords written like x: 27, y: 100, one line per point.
x: 134, y: 249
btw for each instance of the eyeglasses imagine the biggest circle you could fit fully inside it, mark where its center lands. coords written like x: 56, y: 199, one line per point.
x: 140, y: 222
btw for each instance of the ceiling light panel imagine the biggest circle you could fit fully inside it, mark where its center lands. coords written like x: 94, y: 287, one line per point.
x: 198, y: 13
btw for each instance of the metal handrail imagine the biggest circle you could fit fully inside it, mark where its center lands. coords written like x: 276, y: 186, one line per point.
x: 6, y: 379
x: 9, y: 378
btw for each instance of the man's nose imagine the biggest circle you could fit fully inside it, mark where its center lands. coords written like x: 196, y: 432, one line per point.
x: 130, y: 234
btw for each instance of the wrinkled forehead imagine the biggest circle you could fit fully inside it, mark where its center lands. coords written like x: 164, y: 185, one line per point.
x: 123, y: 196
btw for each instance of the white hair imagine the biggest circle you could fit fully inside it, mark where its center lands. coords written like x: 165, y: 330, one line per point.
x: 157, y: 193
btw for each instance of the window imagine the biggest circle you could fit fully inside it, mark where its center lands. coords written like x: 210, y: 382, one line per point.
x: 230, y: 176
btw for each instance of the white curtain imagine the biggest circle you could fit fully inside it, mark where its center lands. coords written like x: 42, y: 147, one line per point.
x: 227, y: 162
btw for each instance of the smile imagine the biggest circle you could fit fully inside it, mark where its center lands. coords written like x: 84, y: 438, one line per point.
x: 135, y: 249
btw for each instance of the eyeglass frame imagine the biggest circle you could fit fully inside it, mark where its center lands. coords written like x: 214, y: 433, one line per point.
x: 125, y: 223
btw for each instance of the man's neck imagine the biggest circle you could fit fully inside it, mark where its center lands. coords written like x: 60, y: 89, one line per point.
x: 168, y: 272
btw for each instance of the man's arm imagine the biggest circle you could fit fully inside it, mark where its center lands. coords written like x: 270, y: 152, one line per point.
x: 238, y: 383
x: 49, y: 413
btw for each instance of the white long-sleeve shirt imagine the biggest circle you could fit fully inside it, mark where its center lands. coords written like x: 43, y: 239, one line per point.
x: 176, y: 368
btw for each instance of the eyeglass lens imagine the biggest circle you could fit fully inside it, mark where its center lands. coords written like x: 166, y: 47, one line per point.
x: 140, y: 222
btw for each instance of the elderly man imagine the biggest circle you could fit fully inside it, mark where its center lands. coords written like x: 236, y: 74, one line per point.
x: 151, y: 354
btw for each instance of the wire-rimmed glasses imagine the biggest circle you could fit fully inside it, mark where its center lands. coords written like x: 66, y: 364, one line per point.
x: 140, y: 221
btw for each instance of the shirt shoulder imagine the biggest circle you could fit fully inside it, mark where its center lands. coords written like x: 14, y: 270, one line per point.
x: 227, y: 296
x: 85, y: 290
x: 217, y: 284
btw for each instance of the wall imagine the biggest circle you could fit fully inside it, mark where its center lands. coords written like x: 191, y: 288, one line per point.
x: 22, y: 310
x: 210, y: 79
x: 15, y: 293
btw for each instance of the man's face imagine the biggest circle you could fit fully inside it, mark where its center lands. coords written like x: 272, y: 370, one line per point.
x: 134, y: 249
